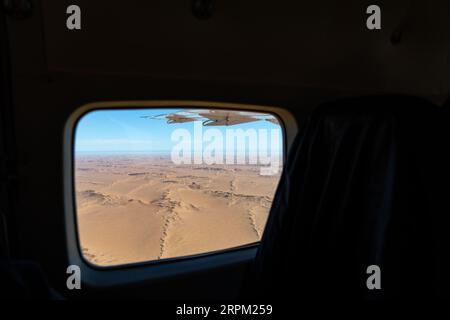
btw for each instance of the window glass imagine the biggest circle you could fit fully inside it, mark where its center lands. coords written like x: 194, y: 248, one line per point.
x: 153, y: 184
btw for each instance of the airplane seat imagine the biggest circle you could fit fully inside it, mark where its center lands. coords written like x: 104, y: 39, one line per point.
x: 446, y: 106
x: 3, y: 235
x: 21, y: 279
x: 360, y: 188
x: 24, y: 280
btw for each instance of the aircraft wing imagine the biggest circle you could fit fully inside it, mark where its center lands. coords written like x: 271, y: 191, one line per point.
x: 212, y: 117
x: 273, y: 120
x: 229, y: 121
x: 175, y: 118
x: 227, y: 118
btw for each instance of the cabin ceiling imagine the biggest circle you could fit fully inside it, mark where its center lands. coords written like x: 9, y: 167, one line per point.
x: 302, y: 44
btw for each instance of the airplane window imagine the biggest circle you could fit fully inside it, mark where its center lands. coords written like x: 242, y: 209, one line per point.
x: 153, y: 184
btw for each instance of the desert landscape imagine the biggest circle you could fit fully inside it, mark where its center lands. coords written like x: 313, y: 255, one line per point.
x: 134, y: 208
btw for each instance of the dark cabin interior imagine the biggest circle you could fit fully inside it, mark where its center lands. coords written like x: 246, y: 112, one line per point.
x: 317, y: 61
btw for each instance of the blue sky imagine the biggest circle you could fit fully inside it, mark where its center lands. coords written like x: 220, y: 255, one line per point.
x: 124, y: 131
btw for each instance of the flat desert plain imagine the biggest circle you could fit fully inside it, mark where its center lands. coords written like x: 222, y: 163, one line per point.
x: 134, y: 208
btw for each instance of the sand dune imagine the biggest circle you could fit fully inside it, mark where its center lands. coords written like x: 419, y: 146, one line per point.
x: 140, y: 208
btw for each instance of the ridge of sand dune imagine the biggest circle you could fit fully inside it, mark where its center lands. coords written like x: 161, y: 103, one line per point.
x: 166, y: 203
x: 148, y: 209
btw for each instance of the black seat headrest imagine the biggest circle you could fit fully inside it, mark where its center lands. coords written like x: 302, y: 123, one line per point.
x: 446, y: 106
x: 357, y: 190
